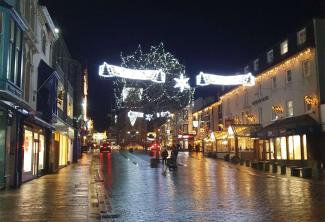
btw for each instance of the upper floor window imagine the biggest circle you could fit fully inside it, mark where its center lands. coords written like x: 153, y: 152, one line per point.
x: 306, y: 68
x: 44, y: 42
x: 289, y: 76
x: 274, y: 82
x: 290, y: 108
x: 269, y: 56
x: 256, y: 64
x: 308, y: 106
x: 1, y: 18
x: 301, y: 36
x: 70, y: 106
x: 284, y: 47
x: 14, y: 54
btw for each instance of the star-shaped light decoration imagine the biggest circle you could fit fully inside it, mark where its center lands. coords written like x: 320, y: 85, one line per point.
x: 182, y: 83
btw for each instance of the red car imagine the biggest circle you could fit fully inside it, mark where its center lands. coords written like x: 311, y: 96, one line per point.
x: 105, y: 147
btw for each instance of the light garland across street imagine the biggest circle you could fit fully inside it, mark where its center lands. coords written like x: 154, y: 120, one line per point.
x: 204, y: 79
x: 106, y: 70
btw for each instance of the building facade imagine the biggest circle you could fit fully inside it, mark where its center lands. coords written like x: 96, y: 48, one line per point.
x: 28, y: 93
x: 281, y: 117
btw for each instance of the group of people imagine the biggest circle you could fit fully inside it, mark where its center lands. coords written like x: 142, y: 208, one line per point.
x: 172, y: 159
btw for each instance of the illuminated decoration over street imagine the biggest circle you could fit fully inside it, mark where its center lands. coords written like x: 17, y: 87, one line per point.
x: 107, y: 70
x: 182, y: 83
x: 204, y: 79
x: 131, y: 90
x: 133, y: 116
x: 148, y: 117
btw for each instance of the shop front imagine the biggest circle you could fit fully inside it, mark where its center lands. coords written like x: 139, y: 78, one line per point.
x: 33, y: 152
x: 186, y: 141
x: 292, y: 141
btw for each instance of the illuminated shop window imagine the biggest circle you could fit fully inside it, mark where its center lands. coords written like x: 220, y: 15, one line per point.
x: 304, y: 139
x: 28, y: 151
x: 41, y: 152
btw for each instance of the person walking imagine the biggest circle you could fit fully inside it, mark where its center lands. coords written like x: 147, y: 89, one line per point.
x: 164, y: 156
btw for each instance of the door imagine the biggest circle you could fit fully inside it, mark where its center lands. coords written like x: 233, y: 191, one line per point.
x: 35, y: 154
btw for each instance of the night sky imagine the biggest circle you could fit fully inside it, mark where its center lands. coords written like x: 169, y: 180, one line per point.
x: 210, y: 36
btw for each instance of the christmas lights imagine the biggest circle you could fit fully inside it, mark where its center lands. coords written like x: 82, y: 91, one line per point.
x: 131, y: 90
x: 155, y: 97
x: 204, y: 79
x: 133, y: 116
x: 182, y: 83
x: 107, y: 70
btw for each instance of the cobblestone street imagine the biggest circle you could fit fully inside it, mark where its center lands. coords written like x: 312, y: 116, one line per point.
x: 204, y: 189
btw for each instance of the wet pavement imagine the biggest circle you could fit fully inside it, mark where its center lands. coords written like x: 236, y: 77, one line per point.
x: 204, y: 189
x: 66, y: 196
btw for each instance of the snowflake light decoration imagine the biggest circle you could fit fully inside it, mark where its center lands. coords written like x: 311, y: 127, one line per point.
x: 182, y: 83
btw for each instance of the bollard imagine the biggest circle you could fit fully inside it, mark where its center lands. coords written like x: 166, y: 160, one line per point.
x: 283, y: 169
x: 248, y: 163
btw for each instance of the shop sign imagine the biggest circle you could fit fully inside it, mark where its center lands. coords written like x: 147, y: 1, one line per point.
x: 260, y: 100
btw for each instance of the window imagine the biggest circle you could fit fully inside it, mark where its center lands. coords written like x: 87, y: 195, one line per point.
x: 301, y: 36
x: 255, y: 64
x: 60, y: 95
x: 284, y: 47
x: 294, y: 147
x: 289, y: 76
x: 290, y: 108
x: 185, y: 114
x: 306, y: 68
x: 308, y: 107
x: 44, y: 42
x: 280, y: 146
x: 259, y: 89
x: 185, y: 128
x: 260, y: 115
x: 274, y: 82
x: 70, y: 106
x: 14, y: 54
x: 269, y: 56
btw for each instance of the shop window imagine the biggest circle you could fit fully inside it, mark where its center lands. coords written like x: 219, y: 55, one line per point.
x: 281, y: 150
x: 294, y: 147
x: 306, y: 68
x: 41, y: 152
x: 290, y: 108
x: 28, y: 150
x: 272, y: 156
x: 284, y: 47
x: 301, y: 36
x: 304, y: 139
x: 269, y: 56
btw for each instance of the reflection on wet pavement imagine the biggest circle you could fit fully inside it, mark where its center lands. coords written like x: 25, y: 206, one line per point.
x: 204, y: 189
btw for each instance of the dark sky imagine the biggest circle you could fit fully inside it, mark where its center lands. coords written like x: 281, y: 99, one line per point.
x: 213, y: 36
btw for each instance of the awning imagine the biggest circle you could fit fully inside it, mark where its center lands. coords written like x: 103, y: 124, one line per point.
x: 245, y: 130
x: 290, y: 126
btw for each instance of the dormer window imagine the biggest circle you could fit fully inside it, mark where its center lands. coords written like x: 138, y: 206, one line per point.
x: 284, y: 47
x: 301, y: 36
x: 256, y: 64
x: 269, y: 56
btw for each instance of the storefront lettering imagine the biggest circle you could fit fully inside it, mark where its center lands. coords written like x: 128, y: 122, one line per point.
x: 260, y: 100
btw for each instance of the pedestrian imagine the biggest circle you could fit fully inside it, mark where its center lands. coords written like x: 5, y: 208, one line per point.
x: 197, y: 148
x: 164, y: 156
x: 174, y: 154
